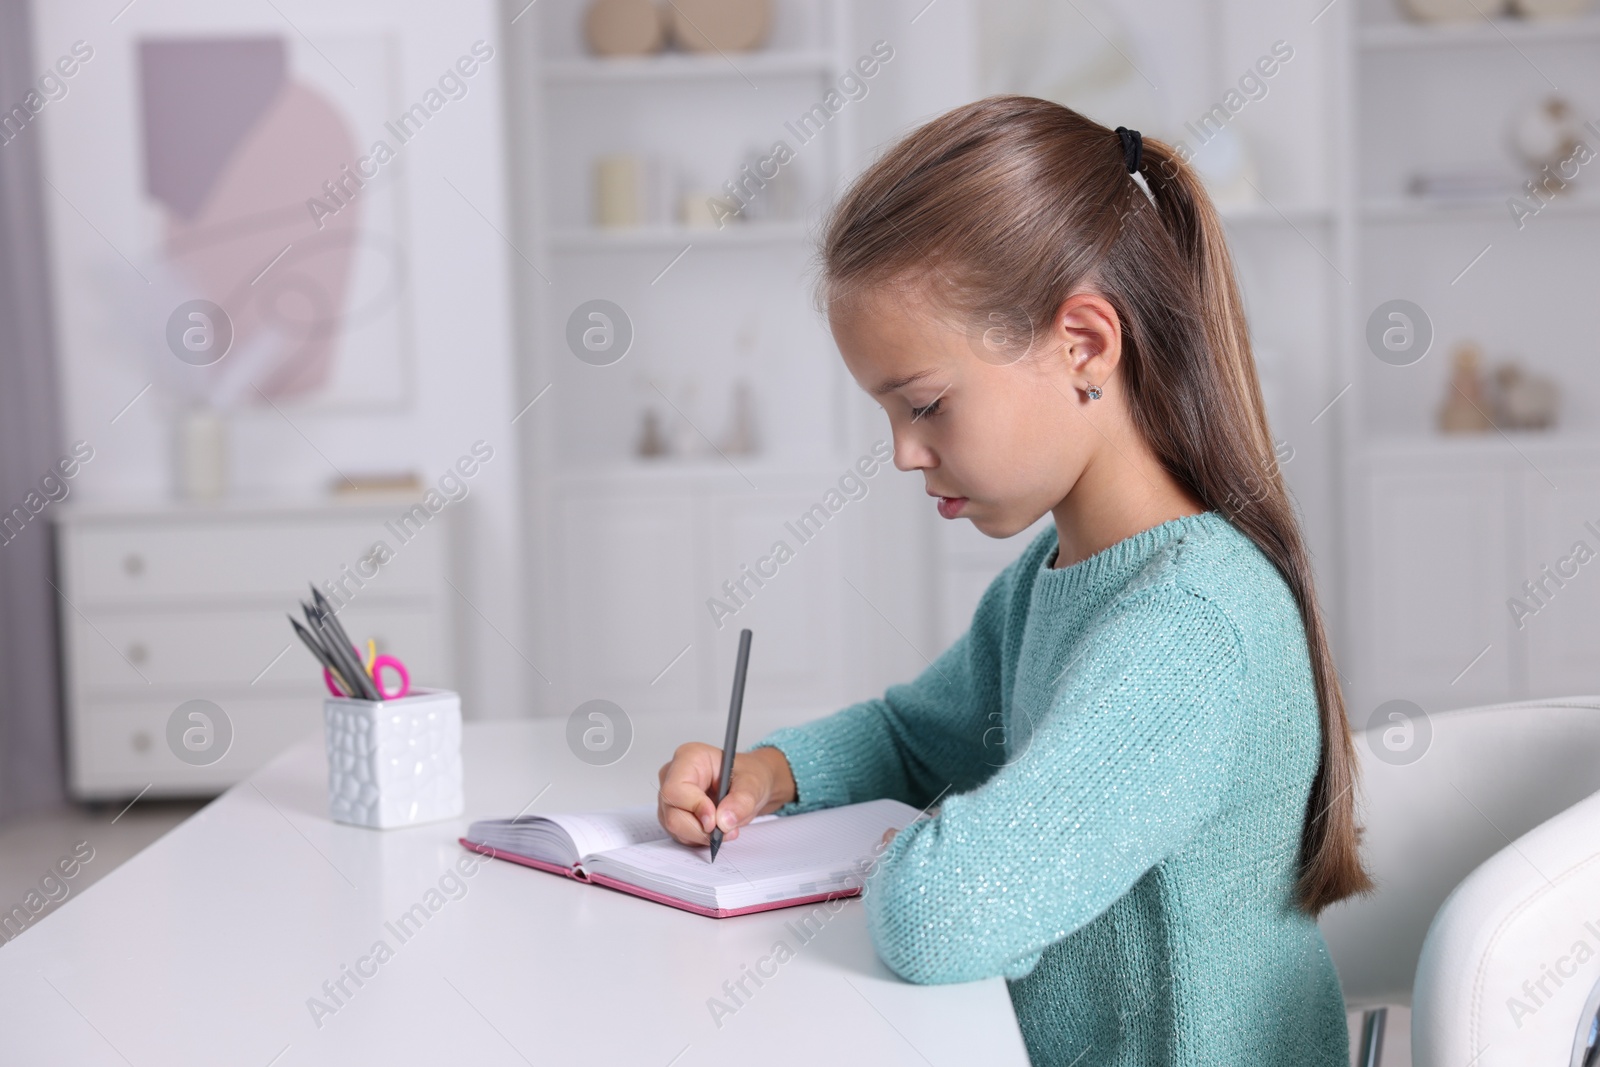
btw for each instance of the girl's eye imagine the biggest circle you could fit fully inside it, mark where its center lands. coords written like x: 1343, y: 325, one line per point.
x: 931, y: 409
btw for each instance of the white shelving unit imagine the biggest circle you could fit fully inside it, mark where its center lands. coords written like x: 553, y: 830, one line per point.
x: 629, y: 551
x: 1314, y: 261
x: 1442, y: 531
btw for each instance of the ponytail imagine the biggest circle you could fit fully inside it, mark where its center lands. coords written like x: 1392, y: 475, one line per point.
x: 1020, y: 201
x: 1247, y: 487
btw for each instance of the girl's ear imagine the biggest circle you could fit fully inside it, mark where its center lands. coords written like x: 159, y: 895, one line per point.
x: 1089, y: 332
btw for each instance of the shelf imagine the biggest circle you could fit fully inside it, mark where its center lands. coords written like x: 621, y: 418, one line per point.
x: 1480, y: 33
x: 1416, y: 209
x: 1266, y: 215
x: 1380, y: 446
x: 677, y: 66
x: 674, y: 237
x: 681, y: 471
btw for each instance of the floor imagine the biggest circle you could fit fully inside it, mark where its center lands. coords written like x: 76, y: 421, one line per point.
x: 93, y: 839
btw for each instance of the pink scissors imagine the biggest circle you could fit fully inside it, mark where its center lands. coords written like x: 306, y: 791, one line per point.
x: 374, y: 665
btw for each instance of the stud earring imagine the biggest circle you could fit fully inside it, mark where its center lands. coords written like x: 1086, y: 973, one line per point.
x: 1094, y: 392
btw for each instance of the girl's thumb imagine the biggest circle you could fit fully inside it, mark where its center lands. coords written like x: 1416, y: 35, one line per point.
x: 729, y: 813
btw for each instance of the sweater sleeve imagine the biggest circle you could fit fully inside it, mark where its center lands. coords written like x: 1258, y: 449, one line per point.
x: 934, y: 735
x: 1133, y: 754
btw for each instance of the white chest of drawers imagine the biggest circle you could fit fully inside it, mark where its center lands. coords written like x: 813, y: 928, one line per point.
x: 164, y: 605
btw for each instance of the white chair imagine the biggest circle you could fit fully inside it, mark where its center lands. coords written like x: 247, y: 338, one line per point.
x: 1484, y: 777
x: 1510, y: 971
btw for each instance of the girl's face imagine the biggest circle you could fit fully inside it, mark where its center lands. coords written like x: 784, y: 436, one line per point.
x: 1000, y: 439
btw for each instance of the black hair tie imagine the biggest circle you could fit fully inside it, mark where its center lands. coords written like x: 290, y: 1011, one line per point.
x: 1132, y: 147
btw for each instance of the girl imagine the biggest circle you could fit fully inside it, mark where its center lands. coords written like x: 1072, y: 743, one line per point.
x: 1140, y: 745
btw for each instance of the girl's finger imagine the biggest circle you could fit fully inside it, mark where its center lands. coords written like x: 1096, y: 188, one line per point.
x: 740, y: 805
x: 684, y: 827
x: 686, y: 809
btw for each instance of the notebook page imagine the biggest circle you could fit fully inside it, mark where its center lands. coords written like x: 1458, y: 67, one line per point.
x: 567, y: 837
x: 768, y: 858
x: 594, y: 832
x: 600, y: 831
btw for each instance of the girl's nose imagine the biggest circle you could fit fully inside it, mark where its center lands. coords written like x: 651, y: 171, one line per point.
x: 911, y: 454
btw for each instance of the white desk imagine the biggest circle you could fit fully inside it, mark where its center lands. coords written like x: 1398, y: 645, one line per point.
x: 205, y: 948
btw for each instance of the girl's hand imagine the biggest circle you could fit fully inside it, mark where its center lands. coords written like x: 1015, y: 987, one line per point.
x: 687, y: 808
x: 888, y: 835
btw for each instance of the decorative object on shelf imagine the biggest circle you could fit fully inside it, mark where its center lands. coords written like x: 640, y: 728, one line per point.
x: 719, y: 25
x: 1546, y: 133
x: 202, y: 454
x: 616, y: 191
x: 707, y: 209
x: 1524, y: 401
x: 624, y: 27
x: 1229, y: 169
x: 652, y: 442
x: 741, y: 438
x: 383, y: 482
x: 630, y: 190
x: 1466, y: 405
x: 770, y: 189
x: 1551, y: 9
x: 1453, y: 10
x: 683, y: 437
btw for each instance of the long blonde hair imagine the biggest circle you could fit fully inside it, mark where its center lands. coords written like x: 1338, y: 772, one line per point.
x: 1008, y: 204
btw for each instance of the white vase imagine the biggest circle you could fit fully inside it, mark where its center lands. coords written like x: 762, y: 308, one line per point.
x: 394, y: 762
x: 202, y: 454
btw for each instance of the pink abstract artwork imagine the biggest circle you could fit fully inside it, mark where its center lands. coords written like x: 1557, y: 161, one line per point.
x: 234, y: 145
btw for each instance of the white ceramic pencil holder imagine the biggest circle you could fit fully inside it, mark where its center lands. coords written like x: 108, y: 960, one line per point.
x: 394, y: 762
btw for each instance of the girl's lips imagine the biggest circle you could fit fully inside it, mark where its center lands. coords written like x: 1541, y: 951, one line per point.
x: 950, y: 506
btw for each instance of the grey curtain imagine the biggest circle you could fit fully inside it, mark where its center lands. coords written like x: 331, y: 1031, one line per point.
x: 30, y: 443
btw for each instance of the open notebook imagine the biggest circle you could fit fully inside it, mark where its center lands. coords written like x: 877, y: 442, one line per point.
x: 776, y: 862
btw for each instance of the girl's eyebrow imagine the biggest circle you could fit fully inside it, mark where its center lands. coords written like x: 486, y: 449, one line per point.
x: 899, y: 383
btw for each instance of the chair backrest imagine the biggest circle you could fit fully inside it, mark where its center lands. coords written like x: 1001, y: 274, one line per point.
x: 1484, y: 776
x: 1510, y: 970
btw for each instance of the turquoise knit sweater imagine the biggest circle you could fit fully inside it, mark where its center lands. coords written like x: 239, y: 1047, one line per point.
x: 1121, y: 751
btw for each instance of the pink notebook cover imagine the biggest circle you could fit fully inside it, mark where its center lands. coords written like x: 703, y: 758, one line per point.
x: 659, y: 898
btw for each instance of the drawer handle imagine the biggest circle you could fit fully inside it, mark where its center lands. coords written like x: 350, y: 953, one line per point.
x: 133, y: 563
x: 138, y: 653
